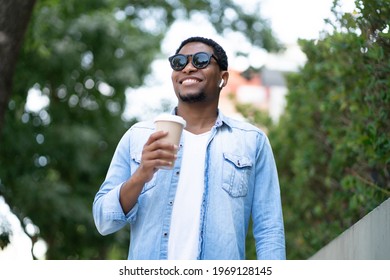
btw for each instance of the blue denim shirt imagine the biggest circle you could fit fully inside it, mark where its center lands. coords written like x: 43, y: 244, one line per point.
x: 240, y: 181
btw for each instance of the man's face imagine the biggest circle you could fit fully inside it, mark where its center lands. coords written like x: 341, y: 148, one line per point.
x: 197, y: 85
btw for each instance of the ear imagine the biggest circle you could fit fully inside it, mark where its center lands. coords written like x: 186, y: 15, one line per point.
x: 224, y: 79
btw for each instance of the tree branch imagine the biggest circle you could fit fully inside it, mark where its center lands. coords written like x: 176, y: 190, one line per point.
x: 14, y: 18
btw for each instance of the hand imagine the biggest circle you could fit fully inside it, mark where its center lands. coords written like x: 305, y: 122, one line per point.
x: 156, y: 153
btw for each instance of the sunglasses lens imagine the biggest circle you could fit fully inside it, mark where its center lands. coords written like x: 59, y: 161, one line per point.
x: 178, y: 62
x: 201, y: 60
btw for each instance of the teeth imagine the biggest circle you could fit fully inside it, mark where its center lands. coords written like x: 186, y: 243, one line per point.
x: 190, y: 81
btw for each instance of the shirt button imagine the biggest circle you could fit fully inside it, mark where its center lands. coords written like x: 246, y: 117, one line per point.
x: 177, y: 172
x: 165, y: 234
x: 170, y: 202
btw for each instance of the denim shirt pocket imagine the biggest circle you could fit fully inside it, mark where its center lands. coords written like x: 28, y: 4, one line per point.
x: 136, y: 160
x: 236, y: 172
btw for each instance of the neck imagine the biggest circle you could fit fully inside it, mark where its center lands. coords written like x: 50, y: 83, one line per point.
x: 198, y: 121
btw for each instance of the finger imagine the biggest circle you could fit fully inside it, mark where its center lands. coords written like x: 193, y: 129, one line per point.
x: 156, y: 136
x: 161, y: 144
x: 159, y: 154
x: 151, y: 166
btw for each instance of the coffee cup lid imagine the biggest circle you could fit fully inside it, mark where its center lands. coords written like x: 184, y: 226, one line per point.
x: 172, y: 118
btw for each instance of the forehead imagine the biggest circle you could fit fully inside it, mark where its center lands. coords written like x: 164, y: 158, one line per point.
x: 195, y: 47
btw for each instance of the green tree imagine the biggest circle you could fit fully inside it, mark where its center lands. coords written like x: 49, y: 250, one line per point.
x: 332, y: 145
x: 81, y: 56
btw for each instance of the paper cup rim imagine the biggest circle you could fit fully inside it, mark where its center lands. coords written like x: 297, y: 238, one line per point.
x: 172, y: 118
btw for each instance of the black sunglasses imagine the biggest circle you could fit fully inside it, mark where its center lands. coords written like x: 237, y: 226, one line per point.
x: 200, y: 60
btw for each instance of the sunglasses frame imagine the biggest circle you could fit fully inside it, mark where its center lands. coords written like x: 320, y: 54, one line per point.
x: 210, y: 55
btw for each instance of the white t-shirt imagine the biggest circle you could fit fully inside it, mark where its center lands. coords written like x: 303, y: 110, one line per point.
x: 184, y: 233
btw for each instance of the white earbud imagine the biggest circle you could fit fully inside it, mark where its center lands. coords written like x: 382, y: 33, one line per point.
x: 221, y: 83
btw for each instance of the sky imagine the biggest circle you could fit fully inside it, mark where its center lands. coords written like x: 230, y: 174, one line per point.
x: 289, y: 19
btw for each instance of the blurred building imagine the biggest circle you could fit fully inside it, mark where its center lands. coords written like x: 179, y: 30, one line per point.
x: 264, y: 88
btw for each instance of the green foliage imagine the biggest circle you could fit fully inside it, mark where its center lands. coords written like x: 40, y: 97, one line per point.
x: 82, y: 56
x: 255, y: 116
x: 332, y: 145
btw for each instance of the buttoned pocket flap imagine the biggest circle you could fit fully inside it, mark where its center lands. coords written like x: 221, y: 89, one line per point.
x: 238, y: 161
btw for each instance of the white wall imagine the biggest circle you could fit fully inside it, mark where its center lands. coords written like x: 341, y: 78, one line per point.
x: 368, y: 239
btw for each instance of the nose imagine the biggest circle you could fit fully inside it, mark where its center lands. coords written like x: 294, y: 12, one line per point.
x: 189, y: 67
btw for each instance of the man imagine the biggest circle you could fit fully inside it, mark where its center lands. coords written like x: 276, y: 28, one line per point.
x: 223, y: 174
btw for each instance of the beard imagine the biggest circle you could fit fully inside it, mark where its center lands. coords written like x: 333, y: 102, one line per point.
x: 193, y: 98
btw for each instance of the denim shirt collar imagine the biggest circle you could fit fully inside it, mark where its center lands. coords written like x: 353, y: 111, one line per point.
x: 221, y: 118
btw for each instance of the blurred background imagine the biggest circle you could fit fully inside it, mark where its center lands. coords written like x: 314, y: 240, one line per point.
x: 74, y: 76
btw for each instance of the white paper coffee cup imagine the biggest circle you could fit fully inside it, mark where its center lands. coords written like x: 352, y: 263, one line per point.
x: 174, y: 125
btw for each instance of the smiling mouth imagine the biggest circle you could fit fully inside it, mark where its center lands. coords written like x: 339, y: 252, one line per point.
x: 190, y: 82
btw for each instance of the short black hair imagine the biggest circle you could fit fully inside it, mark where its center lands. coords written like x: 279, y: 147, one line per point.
x: 219, y: 52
